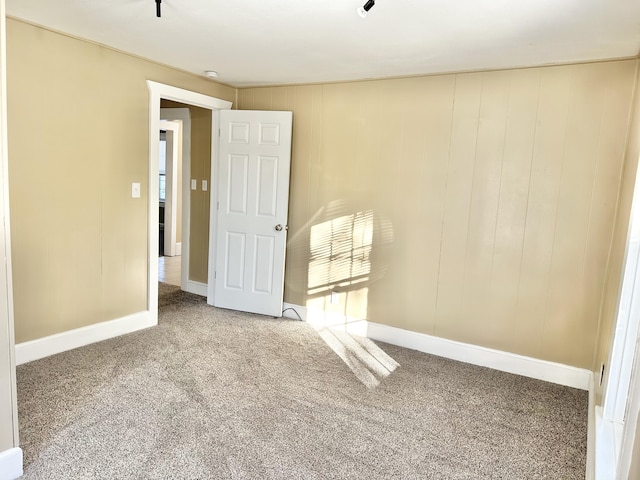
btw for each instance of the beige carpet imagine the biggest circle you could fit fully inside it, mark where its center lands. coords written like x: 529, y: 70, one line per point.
x: 215, y: 394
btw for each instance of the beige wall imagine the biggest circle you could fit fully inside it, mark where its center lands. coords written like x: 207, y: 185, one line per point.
x: 78, y: 137
x: 200, y: 170
x: 614, y: 273
x: 488, y: 200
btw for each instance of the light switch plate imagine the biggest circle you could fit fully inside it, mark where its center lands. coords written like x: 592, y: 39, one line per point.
x: 194, y: 184
x: 135, y: 190
x: 334, y: 297
x: 204, y: 185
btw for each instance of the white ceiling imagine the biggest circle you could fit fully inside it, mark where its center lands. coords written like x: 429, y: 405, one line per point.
x: 266, y: 42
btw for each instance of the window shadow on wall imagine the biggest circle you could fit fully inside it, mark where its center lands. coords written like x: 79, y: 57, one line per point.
x: 346, y: 250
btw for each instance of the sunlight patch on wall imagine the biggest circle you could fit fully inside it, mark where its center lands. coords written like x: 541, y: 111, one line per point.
x: 340, y: 252
x: 342, y: 265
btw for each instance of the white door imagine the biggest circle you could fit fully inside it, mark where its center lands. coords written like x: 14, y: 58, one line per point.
x: 253, y: 197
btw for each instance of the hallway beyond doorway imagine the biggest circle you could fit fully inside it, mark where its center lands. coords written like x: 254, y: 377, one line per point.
x: 169, y: 270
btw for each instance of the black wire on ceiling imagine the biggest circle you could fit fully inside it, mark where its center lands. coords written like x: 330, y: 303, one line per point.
x: 158, y: 12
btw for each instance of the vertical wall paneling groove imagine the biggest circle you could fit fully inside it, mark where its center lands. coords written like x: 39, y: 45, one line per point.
x: 514, y: 326
x: 545, y: 170
x: 450, y: 321
x: 552, y: 278
x: 485, y: 196
x: 441, y: 94
x: 519, y: 137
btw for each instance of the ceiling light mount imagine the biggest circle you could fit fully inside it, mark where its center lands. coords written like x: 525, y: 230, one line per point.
x: 211, y: 74
x: 362, y: 11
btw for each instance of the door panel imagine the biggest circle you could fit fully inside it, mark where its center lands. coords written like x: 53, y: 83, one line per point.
x: 238, y: 184
x: 253, y: 179
x: 234, y: 263
x: 268, y: 186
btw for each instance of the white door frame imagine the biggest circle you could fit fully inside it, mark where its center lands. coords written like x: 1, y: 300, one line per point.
x: 158, y: 91
x: 174, y: 130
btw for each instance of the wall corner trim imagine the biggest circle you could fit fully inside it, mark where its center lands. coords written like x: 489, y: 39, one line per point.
x: 79, y: 337
x: 464, y: 352
x: 11, y: 464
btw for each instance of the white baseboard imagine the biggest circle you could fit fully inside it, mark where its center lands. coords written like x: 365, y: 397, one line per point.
x: 178, y: 249
x: 79, y: 337
x: 11, y: 464
x: 463, y: 352
x: 295, y: 312
x: 484, y: 357
x: 197, y: 288
x: 322, y: 319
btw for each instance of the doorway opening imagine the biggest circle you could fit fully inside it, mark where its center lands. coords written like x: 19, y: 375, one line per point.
x: 170, y: 213
x: 194, y: 181
x: 243, y: 229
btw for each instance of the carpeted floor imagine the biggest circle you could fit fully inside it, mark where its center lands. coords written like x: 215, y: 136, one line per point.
x: 216, y: 394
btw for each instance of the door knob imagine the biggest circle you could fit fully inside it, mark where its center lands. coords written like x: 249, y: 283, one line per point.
x: 278, y: 228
